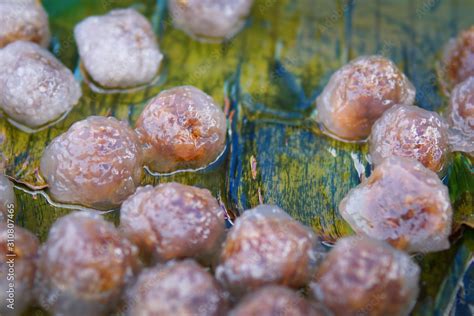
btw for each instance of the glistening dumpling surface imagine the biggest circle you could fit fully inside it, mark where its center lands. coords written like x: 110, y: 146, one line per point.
x: 119, y: 49
x: 267, y: 246
x: 96, y: 163
x: 359, y: 93
x: 276, y: 300
x: 84, y: 266
x: 458, y: 59
x: 402, y: 203
x: 35, y: 88
x: 461, y: 115
x: 177, y: 288
x: 412, y: 132
x: 361, y: 276
x: 181, y: 128
x: 24, y: 267
x: 215, y: 19
x: 174, y: 221
x: 7, y: 197
x: 23, y: 20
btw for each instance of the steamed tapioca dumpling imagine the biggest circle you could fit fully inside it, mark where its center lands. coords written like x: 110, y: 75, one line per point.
x: 412, y: 132
x: 460, y: 115
x: 402, y: 203
x: 7, y: 198
x: 119, y: 49
x: 266, y: 246
x: 210, y: 19
x: 276, y: 300
x: 174, y: 221
x: 181, y: 128
x: 457, y: 63
x: 96, y: 163
x: 359, y: 93
x: 23, y: 20
x: 35, y: 88
x: 84, y: 266
x: 177, y: 288
x: 22, y: 256
x: 362, y: 276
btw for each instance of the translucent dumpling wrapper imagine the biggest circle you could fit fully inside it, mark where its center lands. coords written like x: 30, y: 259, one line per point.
x: 210, y: 19
x: 277, y: 300
x: 181, y: 128
x: 35, y: 87
x: 119, y: 49
x: 23, y: 257
x: 174, y: 221
x: 7, y: 198
x: 362, y: 276
x: 96, y: 163
x: 402, y: 203
x: 267, y: 246
x: 177, y: 288
x: 460, y: 117
x: 359, y: 93
x: 412, y: 132
x: 457, y: 62
x: 23, y: 20
x: 84, y: 266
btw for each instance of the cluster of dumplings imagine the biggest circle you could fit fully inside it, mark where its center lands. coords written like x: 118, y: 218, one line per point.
x: 172, y: 254
x: 118, y: 51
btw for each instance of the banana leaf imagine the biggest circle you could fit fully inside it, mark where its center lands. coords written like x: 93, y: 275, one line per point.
x: 267, y: 79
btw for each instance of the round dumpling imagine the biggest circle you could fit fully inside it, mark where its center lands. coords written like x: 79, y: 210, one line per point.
x: 210, y: 19
x: 402, y: 203
x: 460, y: 116
x: 276, y: 300
x: 362, y: 276
x: 266, y: 246
x: 35, y: 88
x: 96, y: 163
x: 119, y: 49
x: 457, y: 64
x: 174, y: 221
x: 18, y: 267
x: 23, y: 20
x: 412, y: 132
x: 84, y: 266
x: 359, y: 93
x: 177, y: 288
x: 181, y: 128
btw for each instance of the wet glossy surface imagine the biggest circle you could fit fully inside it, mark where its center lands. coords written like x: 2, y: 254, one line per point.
x: 18, y: 248
x: 460, y: 115
x: 277, y: 300
x: 267, y: 246
x: 402, y: 203
x: 358, y: 93
x: 412, y: 132
x: 23, y: 20
x: 119, y: 49
x: 7, y: 197
x: 458, y: 59
x: 177, y: 288
x: 361, y: 276
x: 96, y: 163
x: 210, y: 19
x: 84, y: 266
x: 181, y: 128
x: 173, y: 221
x: 35, y: 88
